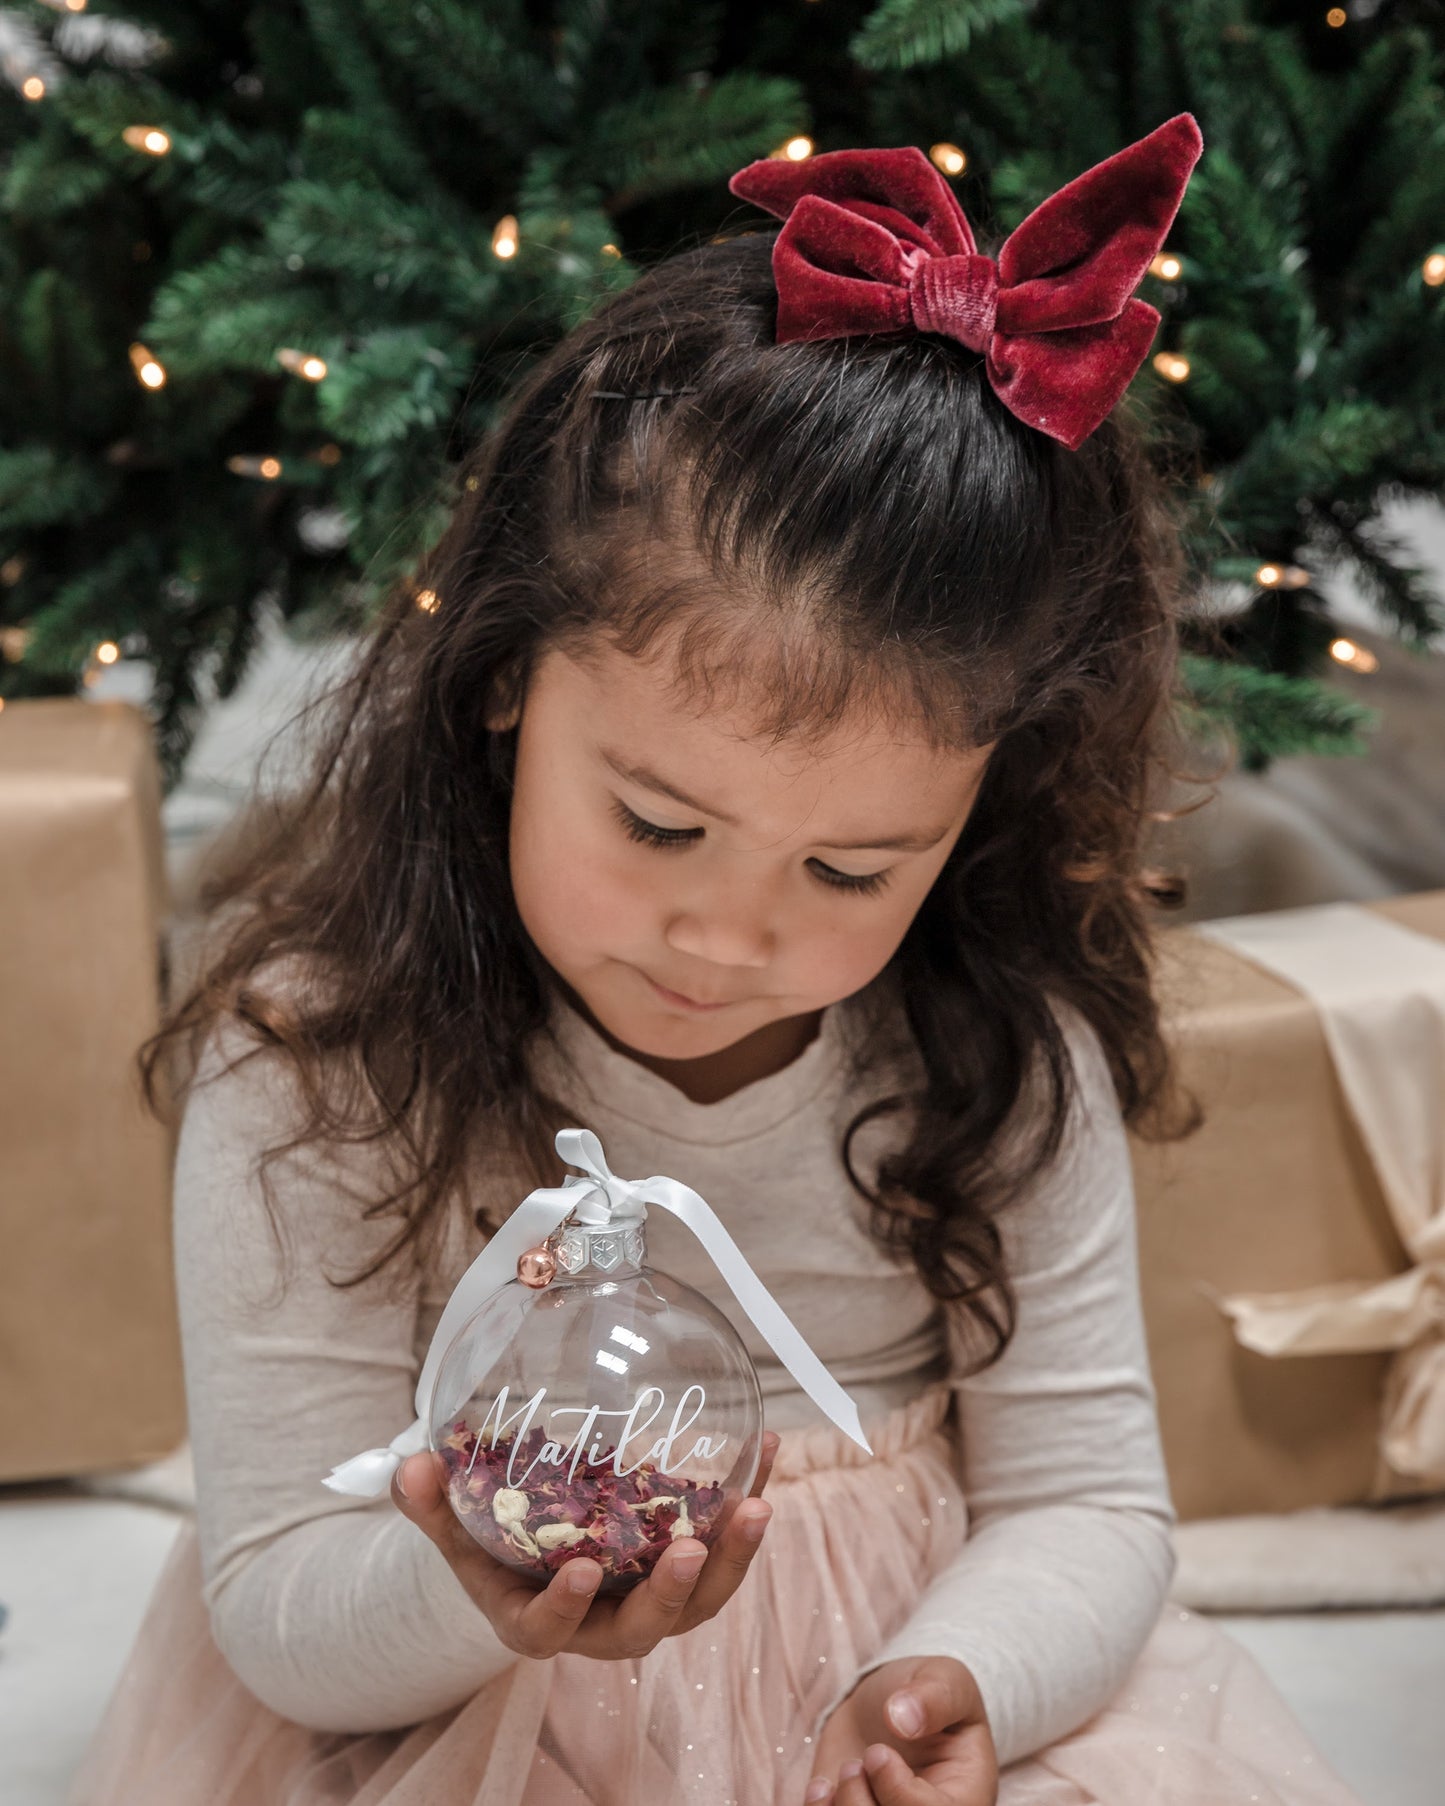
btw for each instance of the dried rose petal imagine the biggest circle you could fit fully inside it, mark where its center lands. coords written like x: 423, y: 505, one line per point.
x: 622, y: 1521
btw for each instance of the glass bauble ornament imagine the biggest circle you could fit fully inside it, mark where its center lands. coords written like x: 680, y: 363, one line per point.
x: 603, y: 1413
x: 583, y: 1402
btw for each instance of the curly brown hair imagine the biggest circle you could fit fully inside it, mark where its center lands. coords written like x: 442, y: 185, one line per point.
x: 929, y: 550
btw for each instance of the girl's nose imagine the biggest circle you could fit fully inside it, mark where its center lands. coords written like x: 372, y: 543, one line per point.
x: 724, y: 936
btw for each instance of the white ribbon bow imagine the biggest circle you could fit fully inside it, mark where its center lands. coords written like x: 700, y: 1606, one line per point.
x: 600, y: 1200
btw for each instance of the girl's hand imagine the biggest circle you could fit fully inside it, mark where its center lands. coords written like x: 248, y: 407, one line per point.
x: 949, y: 1761
x: 544, y: 1622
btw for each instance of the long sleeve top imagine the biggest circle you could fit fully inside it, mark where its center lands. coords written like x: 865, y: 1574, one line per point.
x: 341, y: 1615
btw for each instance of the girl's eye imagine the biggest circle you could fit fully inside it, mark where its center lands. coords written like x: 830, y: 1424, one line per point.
x: 867, y: 885
x: 649, y: 834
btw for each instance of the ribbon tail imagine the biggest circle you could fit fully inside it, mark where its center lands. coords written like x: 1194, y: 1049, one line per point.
x: 767, y: 1316
x: 368, y: 1475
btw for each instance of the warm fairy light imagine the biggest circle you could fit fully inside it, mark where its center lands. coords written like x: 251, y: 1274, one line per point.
x: 1166, y: 266
x: 611, y: 251
x: 1336, y: 17
x: 796, y: 150
x: 328, y: 454
x: 1433, y: 269
x: 949, y: 158
x: 150, y: 370
x: 302, y: 363
x: 107, y: 652
x: 1358, y: 658
x: 504, y: 236
x: 1268, y: 575
x: 147, y: 138
x: 12, y: 570
x: 12, y: 643
x: 33, y: 88
x: 1171, y: 366
x: 428, y: 600
x: 242, y: 466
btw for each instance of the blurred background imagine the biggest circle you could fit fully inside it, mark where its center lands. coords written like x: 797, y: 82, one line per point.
x: 267, y: 273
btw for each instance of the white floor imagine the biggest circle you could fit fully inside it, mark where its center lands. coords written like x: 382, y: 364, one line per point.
x: 75, y: 1572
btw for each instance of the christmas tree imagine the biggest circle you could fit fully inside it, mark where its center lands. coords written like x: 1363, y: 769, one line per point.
x: 268, y: 270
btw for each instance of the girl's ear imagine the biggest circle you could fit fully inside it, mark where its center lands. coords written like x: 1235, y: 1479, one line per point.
x: 504, y: 707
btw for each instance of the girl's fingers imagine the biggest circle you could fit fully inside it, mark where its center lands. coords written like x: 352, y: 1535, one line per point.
x: 894, y: 1783
x: 853, y: 1788
x: 771, y: 1443
x: 541, y: 1623
x: 530, y: 1622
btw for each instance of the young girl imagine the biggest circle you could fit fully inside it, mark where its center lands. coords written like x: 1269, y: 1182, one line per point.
x: 760, y: 785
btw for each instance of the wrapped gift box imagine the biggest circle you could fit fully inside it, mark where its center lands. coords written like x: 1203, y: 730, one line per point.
x: 90, y: 1370
x: 1280, y: 1193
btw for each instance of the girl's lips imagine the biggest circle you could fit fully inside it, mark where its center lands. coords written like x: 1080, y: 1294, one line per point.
x: 681, y: 1002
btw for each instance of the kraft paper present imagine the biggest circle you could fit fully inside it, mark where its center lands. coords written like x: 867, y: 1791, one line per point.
x: 1274, y: 1226
x: 90, y: 1369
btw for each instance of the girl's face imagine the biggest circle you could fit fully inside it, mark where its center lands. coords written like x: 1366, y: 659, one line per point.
x: 693, y: 886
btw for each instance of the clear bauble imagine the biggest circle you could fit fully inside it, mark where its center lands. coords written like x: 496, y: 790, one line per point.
x: 604, y: 1414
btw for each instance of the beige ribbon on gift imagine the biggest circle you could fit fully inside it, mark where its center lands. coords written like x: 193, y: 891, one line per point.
x: 1379, y: 989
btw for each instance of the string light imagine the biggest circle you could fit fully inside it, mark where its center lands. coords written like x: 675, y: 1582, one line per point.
x: 149, y: 138
x: 12, y: 570
x: 302, y: 363
x: 149, y: 369
x: 1171, y: 366
x: 1358, y: 658
x: 241, y: 466
x: 504, y: 236
x: 12, y: 643
x: 107, y: 652
x: 1336, y: 17
x: 1165, y: 265
x: 33, y: 88
x: 1281, y: 576
x: 428, y: 601
x: 1433, y: 269
x: 949, y: 158
x: 327, y: 454
x: 795, y: 150
x: 611, y: 251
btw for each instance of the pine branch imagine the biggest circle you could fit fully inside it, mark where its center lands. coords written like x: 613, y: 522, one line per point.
x: 678, y: 138
x: 234, y: 312
x: 42, y: 486
x: 479, y: 61
x: 1381, y: 562
x: 1266, y: 716
x: 393, y: 381
x: 397, y: 158
x: 910, y: 34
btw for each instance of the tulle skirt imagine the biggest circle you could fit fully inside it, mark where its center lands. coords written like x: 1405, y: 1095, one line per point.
x: 722, y: 1715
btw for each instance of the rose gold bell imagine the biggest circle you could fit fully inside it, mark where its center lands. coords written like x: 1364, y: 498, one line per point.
x: 537, y: 1267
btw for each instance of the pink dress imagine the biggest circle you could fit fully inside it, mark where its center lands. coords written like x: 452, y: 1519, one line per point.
x: 720, y: 1715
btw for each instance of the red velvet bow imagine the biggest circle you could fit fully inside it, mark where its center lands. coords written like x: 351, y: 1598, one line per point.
x: 875, y: 241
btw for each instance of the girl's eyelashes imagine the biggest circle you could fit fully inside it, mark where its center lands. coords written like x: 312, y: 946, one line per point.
x: 867, y: 885
x: 649, y: 834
